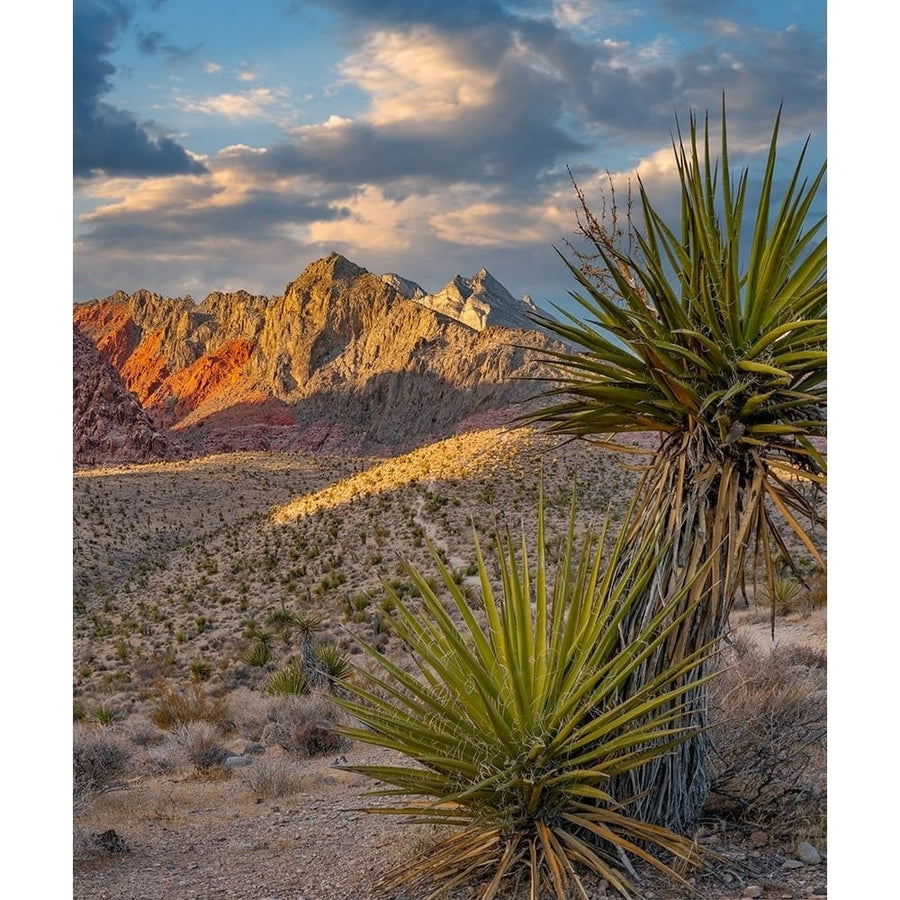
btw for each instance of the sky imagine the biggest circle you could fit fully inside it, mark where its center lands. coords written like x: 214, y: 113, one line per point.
x: 225, y: 145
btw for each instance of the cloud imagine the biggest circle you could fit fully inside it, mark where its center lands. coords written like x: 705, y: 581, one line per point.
x: 456, y: 157
x: 459, y: 16
x: 419, y: 75
x: 247, y: 105
x: 153, y: 43
x: 209, y: 218
x: 440, y: 107
x: 107, y: 139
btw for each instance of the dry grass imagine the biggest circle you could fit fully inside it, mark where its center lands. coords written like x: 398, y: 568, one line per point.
x: 271, y: 779
x: 100, y: 758
x: 769, y: 759
x: 178, y: 706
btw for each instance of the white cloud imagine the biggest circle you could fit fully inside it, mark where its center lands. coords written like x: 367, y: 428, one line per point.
x: 418, y: 76
x: 376, y: 221
x: 251, y: 104
x: 248, y: 75
x: 212, y: 68
x: 501, y: 225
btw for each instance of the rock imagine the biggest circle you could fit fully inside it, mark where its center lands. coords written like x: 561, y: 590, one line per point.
x: 236, y: 762
x: 752, y: 890
x: 792, y: 864
x: 252, y: 748
x: 108, y: 424
x: 808, y: 854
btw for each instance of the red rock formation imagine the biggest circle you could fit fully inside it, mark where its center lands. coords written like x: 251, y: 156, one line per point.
x: 108, y: 424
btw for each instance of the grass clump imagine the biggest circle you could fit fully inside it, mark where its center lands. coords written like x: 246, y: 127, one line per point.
x: 175, y: 706
x: 271, y: 779
x: 516, y: 721
x: 100, y: 757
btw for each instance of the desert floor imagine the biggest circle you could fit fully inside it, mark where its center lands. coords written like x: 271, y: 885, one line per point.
x: 179, y: 567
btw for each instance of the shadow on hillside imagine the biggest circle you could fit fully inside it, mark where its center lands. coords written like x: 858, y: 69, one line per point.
x: 393, y: 412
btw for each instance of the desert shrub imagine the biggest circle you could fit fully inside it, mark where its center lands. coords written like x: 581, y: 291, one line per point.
x: 200, y: 670
x: 289, y: 680
x: 270, y: 779
x: 784, y: 595
x: 100, y: 757
x: 104, y: 715
x: 250, y: 712
x: 199, y: 741
x: 816, y: 595
x: 257, y: 654
x: 304, y: 725
x: 515, y: 723
x: 175, y: 706
x: 768, y: 763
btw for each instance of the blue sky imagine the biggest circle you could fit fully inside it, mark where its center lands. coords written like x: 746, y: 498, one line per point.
x: 226, y: 145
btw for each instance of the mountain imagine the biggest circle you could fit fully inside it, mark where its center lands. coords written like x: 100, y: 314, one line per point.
x: 342, y: 361
x: 479, y: 302
x: 109, y: 425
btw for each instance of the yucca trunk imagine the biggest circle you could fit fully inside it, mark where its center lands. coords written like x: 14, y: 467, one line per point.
x: 686, y: 481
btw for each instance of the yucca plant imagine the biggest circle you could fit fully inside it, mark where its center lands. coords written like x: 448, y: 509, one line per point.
x: 333, y: 664
x: 714, y: 338
x: 291, y: 679
x: 517, y: 719
x: 257, y: 654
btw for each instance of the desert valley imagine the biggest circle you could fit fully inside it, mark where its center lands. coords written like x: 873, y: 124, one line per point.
x: 254, y: 477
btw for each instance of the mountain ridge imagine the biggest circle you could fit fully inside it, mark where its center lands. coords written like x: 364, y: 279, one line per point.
x: 342, y: 361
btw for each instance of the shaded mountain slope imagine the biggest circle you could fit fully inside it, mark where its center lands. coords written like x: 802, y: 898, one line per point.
x: 108, y: 424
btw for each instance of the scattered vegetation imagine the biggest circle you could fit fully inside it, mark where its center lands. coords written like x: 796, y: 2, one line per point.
x: 180, y: 663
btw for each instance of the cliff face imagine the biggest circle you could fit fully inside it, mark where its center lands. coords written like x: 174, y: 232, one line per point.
x: 108, y: 424
x: 342, y: 360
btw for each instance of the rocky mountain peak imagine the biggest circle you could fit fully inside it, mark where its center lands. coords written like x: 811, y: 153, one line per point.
x: 479, y: 302
x: 343, y: 358
x: 409, y: 289
x: 333, y: 267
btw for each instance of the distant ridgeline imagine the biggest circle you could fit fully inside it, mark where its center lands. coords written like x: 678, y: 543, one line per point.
x: 344, y: 361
